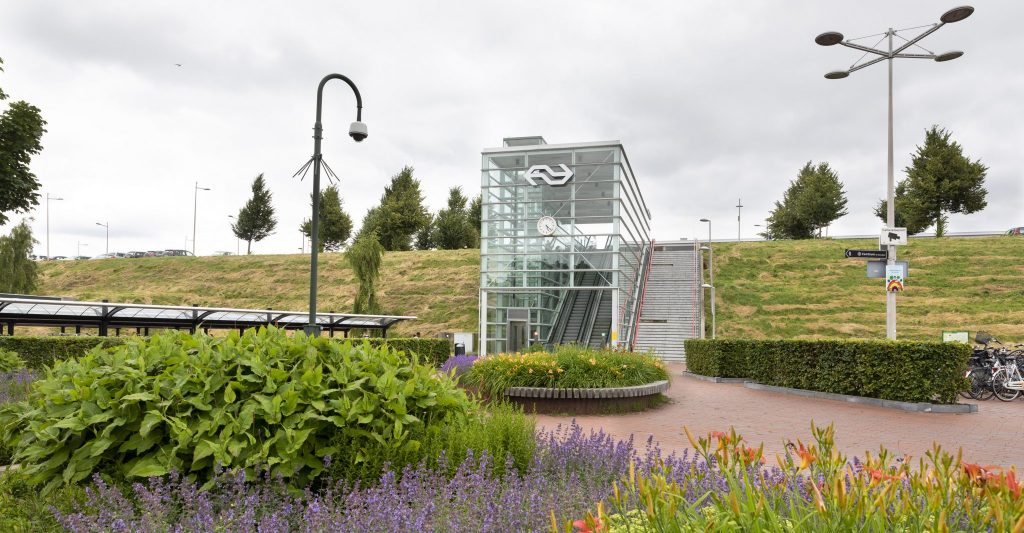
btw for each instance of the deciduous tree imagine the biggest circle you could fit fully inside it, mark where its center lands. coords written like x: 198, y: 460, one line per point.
x: 18, y: 273
x: 366, y: 256
x: 940, y: 180
x: 21, y: 129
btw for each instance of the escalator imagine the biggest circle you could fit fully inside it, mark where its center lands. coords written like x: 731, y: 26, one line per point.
x: 584, y: 315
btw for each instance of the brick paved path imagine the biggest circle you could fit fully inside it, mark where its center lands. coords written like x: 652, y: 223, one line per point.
x: 993, y: 435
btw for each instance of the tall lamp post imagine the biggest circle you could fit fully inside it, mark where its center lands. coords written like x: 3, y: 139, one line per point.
x: 238, y: 241
x: 48, y: 198
x: 739, y: 211
x: 357, y: 130
x: 107, y: 227
x: 711, y: 254
x: 195, y: 211
x: 80, y: 245
x: 712, y: 287
x: 831, y: 38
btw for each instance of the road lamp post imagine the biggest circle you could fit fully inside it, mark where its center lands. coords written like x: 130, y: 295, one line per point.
x: 711, y: 254
x: 80, y: 245
x: 357, y: 130
x: 238, y: 241
x: 107, y: 227
x: 831, y: 38
x: 48, y: 198
x: 739, y: 211
x: 713, y: 325
x: 195, y: 211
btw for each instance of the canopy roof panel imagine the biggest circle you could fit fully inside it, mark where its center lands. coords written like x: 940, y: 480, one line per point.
x: 47, y: 311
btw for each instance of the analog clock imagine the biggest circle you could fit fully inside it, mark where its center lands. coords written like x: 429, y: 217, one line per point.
x: 546, y: 225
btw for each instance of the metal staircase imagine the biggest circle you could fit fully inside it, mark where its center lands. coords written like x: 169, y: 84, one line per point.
x: 670, y: 311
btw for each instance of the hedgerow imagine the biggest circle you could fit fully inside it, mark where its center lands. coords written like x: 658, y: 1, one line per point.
x: 906, y: 371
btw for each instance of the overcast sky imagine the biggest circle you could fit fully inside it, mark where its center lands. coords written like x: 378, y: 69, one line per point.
x: 713, y: 101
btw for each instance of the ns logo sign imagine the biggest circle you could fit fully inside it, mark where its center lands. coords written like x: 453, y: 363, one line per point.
x: 548, y: 174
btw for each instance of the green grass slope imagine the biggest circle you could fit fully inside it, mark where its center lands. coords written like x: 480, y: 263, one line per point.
x: 781, y: 289
x: 807, y: 289
x: 439, y: 287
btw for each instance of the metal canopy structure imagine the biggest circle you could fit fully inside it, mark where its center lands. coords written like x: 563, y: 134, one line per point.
x: 19, y: 310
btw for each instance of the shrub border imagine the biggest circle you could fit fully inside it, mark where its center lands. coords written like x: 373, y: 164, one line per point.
x: 900, y: 371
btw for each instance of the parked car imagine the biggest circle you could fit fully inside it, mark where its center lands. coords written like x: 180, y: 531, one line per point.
x: 1016, y: 231
x: 105, y: 256
x: 59, y: 258
x: 177, y: 253
x: 155, y: 253
x: 82, y: 257
x: 134, y: 255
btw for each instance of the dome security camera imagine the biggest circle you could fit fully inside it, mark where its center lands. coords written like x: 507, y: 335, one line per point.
x: 357, y: 131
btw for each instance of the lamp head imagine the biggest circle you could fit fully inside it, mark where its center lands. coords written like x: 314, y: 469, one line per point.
x: 837, y: 75
x: 948, y: 56
x: 358, y: 131
x: 956, y: 14
x: 829, y: 38
x: 704, y: 220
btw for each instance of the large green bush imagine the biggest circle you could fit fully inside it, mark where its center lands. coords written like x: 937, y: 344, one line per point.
x: 10, y: 361
x: 902, y: 370
x: 568, y: 367
x: 39, y: 352
x: 190, y: 402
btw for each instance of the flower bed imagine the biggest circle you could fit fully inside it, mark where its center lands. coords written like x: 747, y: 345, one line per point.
x: 572, y: 379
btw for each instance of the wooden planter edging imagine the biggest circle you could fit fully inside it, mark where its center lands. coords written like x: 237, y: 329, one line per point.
x: 587, y: 401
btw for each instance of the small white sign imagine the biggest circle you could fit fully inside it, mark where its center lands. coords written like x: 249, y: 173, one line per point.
x: 956, y: 336
x: 893, y: 278
x: 893, y: 237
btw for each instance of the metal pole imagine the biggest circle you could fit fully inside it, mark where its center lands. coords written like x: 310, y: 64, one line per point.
x: 890, y: 297
x: 739, y: 211
x: 195, y: 209
x: 714, y: 327
x: 47, y: 226
x: 312, y: 328
x: 107, y: 248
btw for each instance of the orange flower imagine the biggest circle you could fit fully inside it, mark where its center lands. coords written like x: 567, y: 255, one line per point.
x: 806, y: 457
x: 582, y: 526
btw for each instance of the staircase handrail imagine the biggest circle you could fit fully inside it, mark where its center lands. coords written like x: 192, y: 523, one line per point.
x: 641, y: 296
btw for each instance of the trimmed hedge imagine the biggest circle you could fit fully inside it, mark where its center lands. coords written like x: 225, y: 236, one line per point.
x: 902, y: 370
x: 39, y: 352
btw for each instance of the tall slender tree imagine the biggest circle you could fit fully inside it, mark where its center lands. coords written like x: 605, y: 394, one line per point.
x: 21, y: 129
x: 18, y: 273
x: 452, y: 230
x: 366, y: 256
x: 400, y: 214
x: 255, y: 220
x: 335, y: 223
x: 940, y: 180
x: 475, y: 219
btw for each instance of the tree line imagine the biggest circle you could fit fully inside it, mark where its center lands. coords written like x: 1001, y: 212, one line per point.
x: 940, y: 180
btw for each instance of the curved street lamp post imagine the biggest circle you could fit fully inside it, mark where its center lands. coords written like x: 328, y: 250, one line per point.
x: 831, y: 38
x: 357, y: 130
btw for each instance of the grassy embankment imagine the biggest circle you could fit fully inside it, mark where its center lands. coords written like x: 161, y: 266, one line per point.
x: 806, y: 289
x: 439, y: 287
x: 785, y: 289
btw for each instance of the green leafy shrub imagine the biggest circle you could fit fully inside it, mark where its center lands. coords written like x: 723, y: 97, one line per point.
x: 39, y: 352
x: 568, y: 366
x: 501, y: 431
x: 903, y: 370
x: 23, y: 508
x: 10, y: 361
x: 260, y: 400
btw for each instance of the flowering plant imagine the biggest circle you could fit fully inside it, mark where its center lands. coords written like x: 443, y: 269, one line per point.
x: 568, y: 366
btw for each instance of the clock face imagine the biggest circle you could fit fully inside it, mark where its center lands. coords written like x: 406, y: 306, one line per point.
x: 546, y: 225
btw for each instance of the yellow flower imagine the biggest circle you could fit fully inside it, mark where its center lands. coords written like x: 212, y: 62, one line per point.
x: 593, y: 361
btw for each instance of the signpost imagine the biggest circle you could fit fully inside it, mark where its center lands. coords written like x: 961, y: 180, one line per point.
x: 893, y: 237
x: 876, y: 269
x: 867, y: 254
x: 956, y: 336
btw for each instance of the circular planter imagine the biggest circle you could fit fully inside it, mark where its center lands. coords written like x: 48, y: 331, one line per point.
x: 587, y: 401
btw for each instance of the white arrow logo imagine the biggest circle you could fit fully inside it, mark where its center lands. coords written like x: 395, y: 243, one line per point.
x: 549, y: 175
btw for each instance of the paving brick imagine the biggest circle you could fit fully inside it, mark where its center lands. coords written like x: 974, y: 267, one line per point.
x: 993, y: 435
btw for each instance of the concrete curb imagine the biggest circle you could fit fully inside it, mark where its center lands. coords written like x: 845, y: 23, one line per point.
x: 714, y: 379
x: 596, y: 394
x: 921, y: 407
